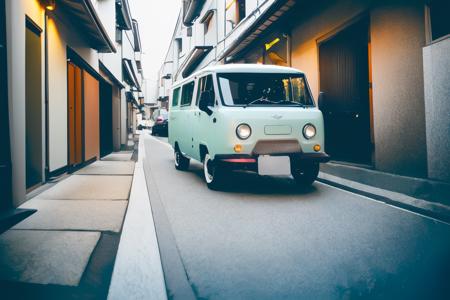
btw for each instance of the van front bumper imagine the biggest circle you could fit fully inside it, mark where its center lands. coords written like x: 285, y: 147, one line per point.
x: 250, y: 162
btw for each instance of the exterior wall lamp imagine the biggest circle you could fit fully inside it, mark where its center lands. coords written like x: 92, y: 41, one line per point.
x: 50, y: 4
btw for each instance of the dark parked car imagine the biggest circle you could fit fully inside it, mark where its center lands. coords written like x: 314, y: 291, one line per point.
x: 161, y: 125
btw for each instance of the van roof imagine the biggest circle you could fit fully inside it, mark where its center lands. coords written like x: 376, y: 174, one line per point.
x: 250, y: 68
x: 242, y: 68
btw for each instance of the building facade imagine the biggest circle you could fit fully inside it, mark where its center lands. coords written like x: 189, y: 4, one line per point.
x: 66, y: 85
x: 381, y: 69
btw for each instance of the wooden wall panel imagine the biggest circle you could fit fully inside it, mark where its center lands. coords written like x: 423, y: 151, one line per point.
x: 91, y: 117
x: 78, y: 116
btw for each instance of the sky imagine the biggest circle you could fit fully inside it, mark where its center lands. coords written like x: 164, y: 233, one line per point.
x: 157, y: 20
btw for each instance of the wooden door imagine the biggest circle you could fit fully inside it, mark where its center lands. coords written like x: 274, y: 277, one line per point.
x: 91, y: 117
x: 344, y: 80
x: 75, y: 114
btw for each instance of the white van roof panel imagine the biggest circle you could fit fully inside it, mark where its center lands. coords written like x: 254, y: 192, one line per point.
x: 250, y: 68
x: 240, y: 68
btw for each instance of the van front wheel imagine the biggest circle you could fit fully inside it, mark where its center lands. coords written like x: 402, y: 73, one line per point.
x: 306, y: 174
x: 181, y: 161
x: 212, y: 173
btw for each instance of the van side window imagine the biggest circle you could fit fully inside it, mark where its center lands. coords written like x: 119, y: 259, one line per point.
x: 175, y: 96
x: 187, y: 93
x: 205, y: 84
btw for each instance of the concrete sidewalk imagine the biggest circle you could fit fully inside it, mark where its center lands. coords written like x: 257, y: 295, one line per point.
x: 424, y: 196
x: 67, y: 248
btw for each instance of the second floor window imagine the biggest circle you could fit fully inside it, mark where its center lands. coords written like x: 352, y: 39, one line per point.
x: 235, y: 13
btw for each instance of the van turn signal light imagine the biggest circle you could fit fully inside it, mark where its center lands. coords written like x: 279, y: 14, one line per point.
x: 237, y: 148
x: 317, y: 148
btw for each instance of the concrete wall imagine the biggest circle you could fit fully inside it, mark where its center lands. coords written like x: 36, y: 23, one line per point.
x: 397, y: 37
x: 15, y: 28
x: 113, y: 61
x: 322, y: 20
x: 436, y: 59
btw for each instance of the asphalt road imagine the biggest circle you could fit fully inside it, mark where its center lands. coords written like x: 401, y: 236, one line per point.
x: 264, y: 238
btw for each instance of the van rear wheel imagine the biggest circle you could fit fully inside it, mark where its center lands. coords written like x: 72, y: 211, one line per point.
x: 181, y: 161
x: 212, y: 172
x: 306, y: 174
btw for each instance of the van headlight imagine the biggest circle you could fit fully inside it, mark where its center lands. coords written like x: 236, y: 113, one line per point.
x: 243, y: 131
x: 309, y: 131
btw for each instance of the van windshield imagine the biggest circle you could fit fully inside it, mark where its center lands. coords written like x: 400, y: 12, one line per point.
x: 264, y: 89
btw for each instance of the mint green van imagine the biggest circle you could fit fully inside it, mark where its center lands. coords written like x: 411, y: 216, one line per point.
x: 247, y: 117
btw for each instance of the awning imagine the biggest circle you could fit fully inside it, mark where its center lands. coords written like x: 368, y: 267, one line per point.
x: 129, y: 74
x: 193, y: 59
x: 83, y: 15
x: 129, y: 96
x: 271, y: 15
x: 124, y: 21
x: 137, y: 37
x: 110, y: 75
x: 191, y: 10
x: 208, y: 15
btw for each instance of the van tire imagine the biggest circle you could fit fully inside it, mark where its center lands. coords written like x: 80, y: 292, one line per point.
x: 181, y: 161
x: 306, y: 174
x: 212, y: 173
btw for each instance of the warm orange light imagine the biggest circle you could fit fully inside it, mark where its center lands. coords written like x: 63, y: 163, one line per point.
x: 50, y: 5
x: 317, y: 148
x: 237, y: 148
x: 272, y: 43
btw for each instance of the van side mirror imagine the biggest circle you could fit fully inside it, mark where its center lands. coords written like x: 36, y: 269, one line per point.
x: 205, y: 100
x: 321, y: 100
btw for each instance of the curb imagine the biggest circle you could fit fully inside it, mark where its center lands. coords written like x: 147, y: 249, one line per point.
x: 431, y: 209
x: 137, y: 271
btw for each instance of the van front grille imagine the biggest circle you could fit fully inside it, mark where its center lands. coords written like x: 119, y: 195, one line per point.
x: 278, y: 146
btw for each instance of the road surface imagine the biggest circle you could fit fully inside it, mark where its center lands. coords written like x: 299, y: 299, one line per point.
x: 264, y: 238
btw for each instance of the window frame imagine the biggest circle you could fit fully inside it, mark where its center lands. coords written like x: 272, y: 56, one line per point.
x: 177, y: 89
x: 183, y: 92
x: 222, y: 101
x: 199, y: 87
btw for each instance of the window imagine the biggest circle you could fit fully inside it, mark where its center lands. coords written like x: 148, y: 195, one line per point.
x: 179, y: 42
x: 440, y: 24
x: 118, y: 35
x: 187, y: 93
x: 205, y: 84
x: 235, y: 13
x: 264, y: 89
x: 175, y: 97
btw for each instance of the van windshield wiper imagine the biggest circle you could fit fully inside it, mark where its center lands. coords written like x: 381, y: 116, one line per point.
x: 260, y: 100
x: 291, y: 102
